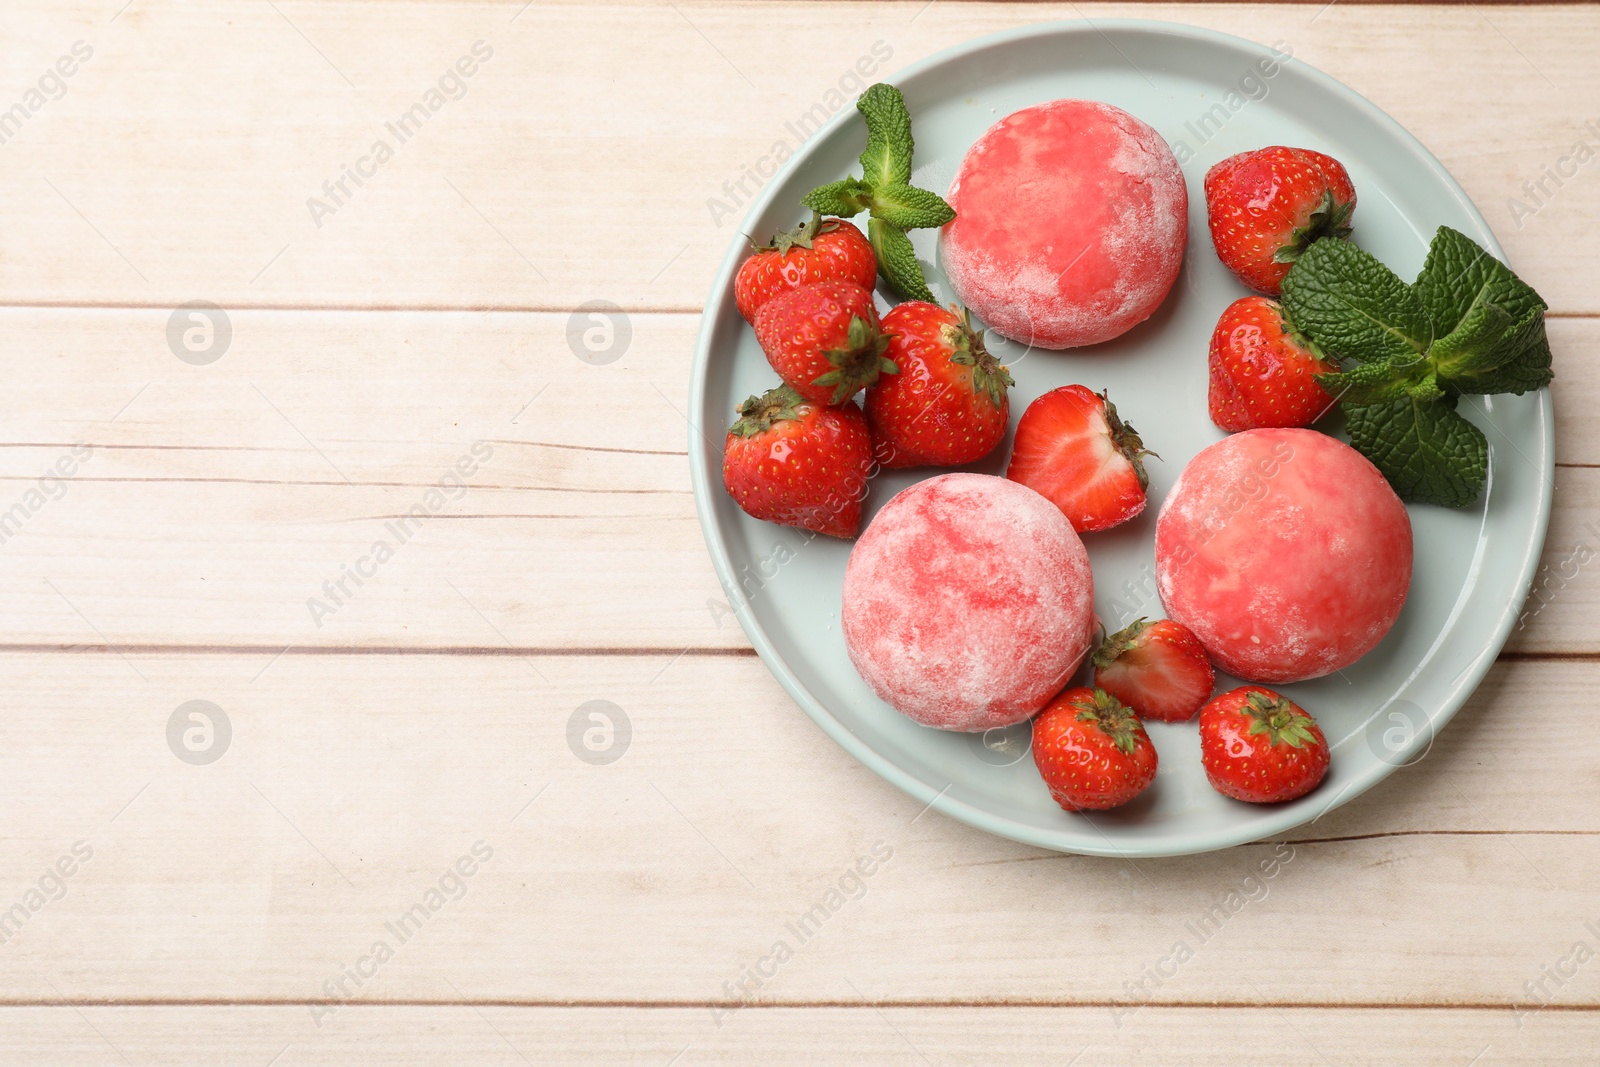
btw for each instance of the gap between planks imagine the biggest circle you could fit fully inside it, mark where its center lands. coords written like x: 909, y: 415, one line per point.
x: 746, y: 1005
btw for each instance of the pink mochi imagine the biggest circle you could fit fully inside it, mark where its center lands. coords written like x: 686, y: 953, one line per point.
x: 1071, y: 220
x: 968, y: 602
x: 1286, y: 552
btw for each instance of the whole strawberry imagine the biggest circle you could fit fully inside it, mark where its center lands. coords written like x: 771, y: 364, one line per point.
x: 1159, y: 669
x: 1262, y: 372
x: 947, y: 405
x: 822, y: 250
x: 795, y: 462
x: 1092, y: 751
x: 823, y: 340
x: 1261, y: 747
x: 1268, y: 205
x: 1072, y: 448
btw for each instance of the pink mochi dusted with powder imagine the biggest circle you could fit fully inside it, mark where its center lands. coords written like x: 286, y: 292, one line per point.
x: 1071, y: 220
x: 968, y: 602
x: 1286, y: 552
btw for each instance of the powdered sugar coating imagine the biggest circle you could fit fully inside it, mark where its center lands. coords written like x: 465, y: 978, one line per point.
x: 1286, y: 552
x: 1071, y: 221
x: 968, y: 602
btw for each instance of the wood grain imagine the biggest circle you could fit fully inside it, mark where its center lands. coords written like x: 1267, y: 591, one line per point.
x: 893, y: 1037
x: 349, y: 788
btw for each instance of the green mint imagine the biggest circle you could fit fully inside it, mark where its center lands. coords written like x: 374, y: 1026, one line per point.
x: 1467, y: 325
x: 885, y: 191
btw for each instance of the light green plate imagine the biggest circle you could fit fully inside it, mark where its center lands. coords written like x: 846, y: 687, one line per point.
x: 1473, y: 567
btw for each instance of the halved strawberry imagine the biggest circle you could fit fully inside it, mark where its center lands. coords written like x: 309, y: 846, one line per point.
x: 1072, y: 449
x: 1159, y: 669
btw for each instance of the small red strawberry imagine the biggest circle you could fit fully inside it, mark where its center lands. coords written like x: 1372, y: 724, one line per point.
x: 795, y: 462
x: 1261, y: 747
x: 822, y: 250
x: 823, y: 340
x: 1092, y: 751
x: 948, y: 404
x: 1072, y: 448
x: 1262, y: 372
x: 1267, y: 206
x: 1158, y: 669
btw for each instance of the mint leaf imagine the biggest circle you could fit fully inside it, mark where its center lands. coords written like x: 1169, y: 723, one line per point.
x: 1354, y: 307
x: 1523, y: 362
x: 1374, y: 383
x: 844, y: 198
x: 897, y: 261
x: 1425, y: 448
x: 908, y: 208
x: 1480, y: 343
x: 887, y: 157
x: 1459, y: 276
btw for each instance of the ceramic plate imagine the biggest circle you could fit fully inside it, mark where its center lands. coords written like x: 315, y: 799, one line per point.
x: 1210, y: 95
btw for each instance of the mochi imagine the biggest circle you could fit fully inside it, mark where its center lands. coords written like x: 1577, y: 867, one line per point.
x: 1071, y: 220
x: 968, y: 602
x: 1285, y: 551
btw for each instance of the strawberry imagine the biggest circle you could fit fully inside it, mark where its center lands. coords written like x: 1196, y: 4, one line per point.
x: 1261, y: 747
x: 822, y: 250
x: 1263, y: 373
x: 1072, y: 448
x: 1269, y: 205
x: 795, y: 462
x: 1092, y: 750
x: 948, y: 405
x: 1158, y: 669
x: 823, y: 340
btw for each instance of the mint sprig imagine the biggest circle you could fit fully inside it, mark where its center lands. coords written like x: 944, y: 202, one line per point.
x: 885, y: 191
x: 1467, y: 325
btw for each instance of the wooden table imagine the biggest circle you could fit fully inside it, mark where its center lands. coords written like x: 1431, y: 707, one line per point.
x: 390, y: 732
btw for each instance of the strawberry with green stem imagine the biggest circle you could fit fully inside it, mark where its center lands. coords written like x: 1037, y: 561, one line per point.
x: 1092, y: 751
x: 819, y: 250
x: 799, y: 463
x: 947, y: 405
x: 824, y: 340
x: 1261, y: 747
x: 884, y: 190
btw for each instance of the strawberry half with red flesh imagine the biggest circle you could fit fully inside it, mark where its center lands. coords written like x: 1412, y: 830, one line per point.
x: 799, y: 463
x: 1268, y: 205
x: 1261, y: 747
x: 1159, y: 669
x: 824, y: 340
x: 1072, y: 448
x: 1092, y: 751
x: 821, y: 250
x: 1262, y: 372
x: 948, y: 404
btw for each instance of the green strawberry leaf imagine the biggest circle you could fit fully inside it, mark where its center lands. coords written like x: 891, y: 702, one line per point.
x: 1459, y: 276
x: 845, y: 198
x: 1352, y: 306
x: 909, y: 208
x: 1425, y: 448
x: 886, y: 160
x: 897, y: 261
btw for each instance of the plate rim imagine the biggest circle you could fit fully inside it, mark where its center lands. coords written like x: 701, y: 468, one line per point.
x: 1276, y: 819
